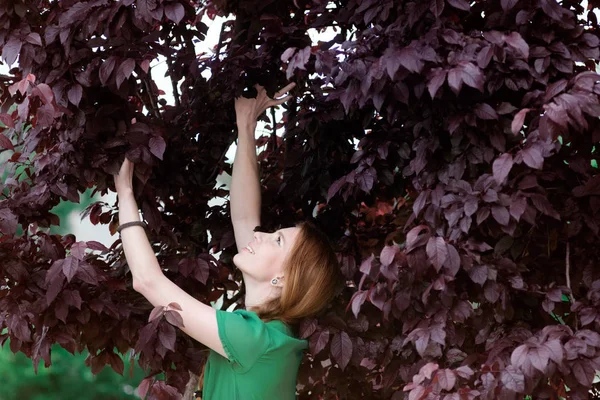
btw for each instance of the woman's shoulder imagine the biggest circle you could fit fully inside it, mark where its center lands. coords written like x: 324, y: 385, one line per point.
x: 279, y: 331
x: 282, y: 334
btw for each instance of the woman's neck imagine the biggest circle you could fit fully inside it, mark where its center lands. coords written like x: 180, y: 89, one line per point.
x: 257, y: 294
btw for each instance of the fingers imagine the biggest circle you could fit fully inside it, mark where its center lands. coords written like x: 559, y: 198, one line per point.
x: 286, y: 89
x: 277, y: 102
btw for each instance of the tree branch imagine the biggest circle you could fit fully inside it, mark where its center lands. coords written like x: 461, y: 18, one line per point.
x: 151, y: 96
x: 568, y: 271
x: 173, y: 82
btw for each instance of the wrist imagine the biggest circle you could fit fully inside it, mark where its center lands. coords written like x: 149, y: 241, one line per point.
x: 246, y: 126
x: 125, y: 194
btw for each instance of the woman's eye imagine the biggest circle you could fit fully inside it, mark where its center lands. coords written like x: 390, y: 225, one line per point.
x: 279, y: 240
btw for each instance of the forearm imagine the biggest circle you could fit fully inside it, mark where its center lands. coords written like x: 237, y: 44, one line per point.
x: 245, y: 186
x: 138, y: 251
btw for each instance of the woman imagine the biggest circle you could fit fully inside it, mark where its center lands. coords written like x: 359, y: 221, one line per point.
x: 288, y: 275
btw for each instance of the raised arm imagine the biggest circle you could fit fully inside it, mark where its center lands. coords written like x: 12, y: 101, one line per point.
x: 199, y: 320
x: 245, y: 184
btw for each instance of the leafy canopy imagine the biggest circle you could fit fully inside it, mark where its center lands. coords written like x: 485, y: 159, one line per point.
x: 447, y: 147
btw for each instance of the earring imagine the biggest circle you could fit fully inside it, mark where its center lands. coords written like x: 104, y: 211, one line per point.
x: 274, y: 281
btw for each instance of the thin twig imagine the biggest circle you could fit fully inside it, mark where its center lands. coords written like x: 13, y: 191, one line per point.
x: 173, y: 82
x: 218, y: 50
x: 274, y: 133
x: 150, y: 94
x: 568, y: 272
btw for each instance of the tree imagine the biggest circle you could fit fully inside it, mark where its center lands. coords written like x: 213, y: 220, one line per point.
x: 447, y: 148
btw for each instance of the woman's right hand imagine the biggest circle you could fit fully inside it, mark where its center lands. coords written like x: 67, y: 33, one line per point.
x: 247, y: 110
x: 124, y: 179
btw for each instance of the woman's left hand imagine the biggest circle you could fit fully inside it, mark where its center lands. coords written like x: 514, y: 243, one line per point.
x: 124, y: 179
x: 248, y: 110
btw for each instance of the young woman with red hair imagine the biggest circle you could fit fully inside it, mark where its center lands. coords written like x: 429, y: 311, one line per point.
x: 288, y: 275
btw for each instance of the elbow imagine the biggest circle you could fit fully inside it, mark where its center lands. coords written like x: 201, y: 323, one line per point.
x: 143, y: 285
x: 138, y: 285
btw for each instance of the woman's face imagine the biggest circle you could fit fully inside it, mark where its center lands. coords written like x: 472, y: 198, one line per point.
x: 262, y: 259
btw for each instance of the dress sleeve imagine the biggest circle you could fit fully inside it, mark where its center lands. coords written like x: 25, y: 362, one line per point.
x: 244, y: 336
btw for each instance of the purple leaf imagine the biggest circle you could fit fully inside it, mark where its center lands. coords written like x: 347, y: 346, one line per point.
x: 157, y: 312
x: 341, y: 349
x: 587, y: 315
x: 357, y: 302
x: 87, y: 273
x: 455, y: 79
x: 472, y: 76
x: 7, y: 120
x: 500, y: 214
x: 501, y: 167
x: 94, y: 245
x: 335, y: 187
x: 555, y: 350
x: 11, y: 50
x: 45, y: 115
x: 167, y: 336
x: 409, y: 58
x: 308, y: 326
x: 437, y: 251
x: 422, y: 341
x: 584, y: 372
x: 175, y: 12
x: 70, y: 267
x: 460, y: 4
x: 420, y: 202
x: 54, y: 288
x: 106, y: 69
x: 78, y: 250
x: 319, y: 341
x: 416, y: 238
x: 479, y: 274
x: 5, y: 143
x: 288, y: 53
x: 8, y: 222
x: 387, y: 254
x: 437, y: 7
x: 124, y: 71
x: 366, y: 179
x: 437, y: 77
x: 446, y: 378
x: 34, y: 38
x: 539, y: 357
x: 515, y: 40
x: 518, y: 121
x: 145, y: 386
x: 485, y: 56
x: 532, y: 156
x: 174, y: 318
x: 485, y: 111
x: 365, y: 266
x: 464, y: 372
x: 513, y: 379
x: 158, y: 146
x: 507, y: 5
x: 453, y: 261
x: 75, y: 94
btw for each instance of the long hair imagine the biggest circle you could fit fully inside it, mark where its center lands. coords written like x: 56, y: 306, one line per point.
x: 312, y: 276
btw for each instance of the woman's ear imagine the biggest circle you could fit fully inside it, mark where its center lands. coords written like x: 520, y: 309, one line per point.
x: 280, y: 281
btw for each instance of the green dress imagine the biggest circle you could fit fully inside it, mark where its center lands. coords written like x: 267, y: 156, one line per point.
x: 263, y: 363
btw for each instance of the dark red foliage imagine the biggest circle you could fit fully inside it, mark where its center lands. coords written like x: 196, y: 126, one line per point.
x: 448, y: 148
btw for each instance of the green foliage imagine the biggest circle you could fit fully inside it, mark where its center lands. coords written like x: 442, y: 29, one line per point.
x: 68, y: 378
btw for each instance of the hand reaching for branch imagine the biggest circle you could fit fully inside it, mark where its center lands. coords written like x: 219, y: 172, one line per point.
x: 124, y: 179
x: 248, y: 110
